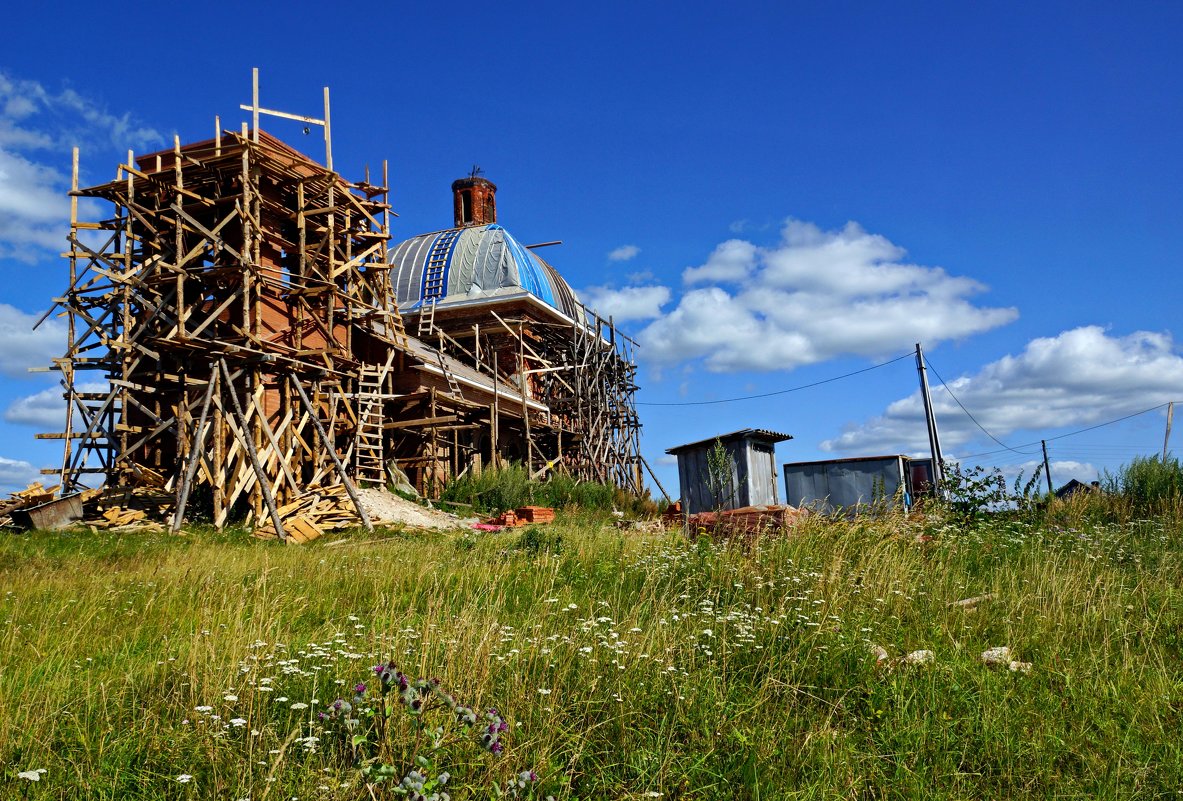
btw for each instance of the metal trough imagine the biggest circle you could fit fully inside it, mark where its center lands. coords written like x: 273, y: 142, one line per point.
x: 54, y: 514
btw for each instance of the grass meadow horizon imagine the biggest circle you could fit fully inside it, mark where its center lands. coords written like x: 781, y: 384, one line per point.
x: 613, y: 663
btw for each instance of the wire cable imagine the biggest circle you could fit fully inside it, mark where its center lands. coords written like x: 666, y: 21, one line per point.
x: 970, y: 414
x: 780, y: 391
x: 1078, y: 431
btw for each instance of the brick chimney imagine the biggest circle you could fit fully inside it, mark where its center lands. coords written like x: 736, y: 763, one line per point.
x: 474, y: 201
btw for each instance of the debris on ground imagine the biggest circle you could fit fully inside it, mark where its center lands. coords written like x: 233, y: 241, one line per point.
x: 746, y: 520
x: 971, y: 604
x: 998, y: 655
x: 672, y: 516
x: 921, y: 657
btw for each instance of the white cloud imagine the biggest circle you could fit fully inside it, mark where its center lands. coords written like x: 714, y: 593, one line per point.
x: 624, y: 253
x: 629, y: 303
x: 34, y: 209
x: 814, y: 296
x: 16, y: 474
x: 734, y: 260
x: 1077, y: 378
x: 23, y: 347
x: 46, y: 410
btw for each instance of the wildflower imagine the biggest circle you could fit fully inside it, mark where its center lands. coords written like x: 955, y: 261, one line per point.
x: 184, y: 778
x: 543, y: 691
x: 32, y: 775
x: 237, y: 723
x: 923, y: 657
x: 230, y: 697
x: 359, y: 688
x: 999, y: 655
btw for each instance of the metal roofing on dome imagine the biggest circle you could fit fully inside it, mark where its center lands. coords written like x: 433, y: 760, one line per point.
x: 464, y: 264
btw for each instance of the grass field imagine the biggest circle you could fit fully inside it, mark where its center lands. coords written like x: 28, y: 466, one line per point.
x: 625, y: 664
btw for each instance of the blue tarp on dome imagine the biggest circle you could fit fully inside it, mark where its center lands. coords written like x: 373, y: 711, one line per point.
x: 482, y: 261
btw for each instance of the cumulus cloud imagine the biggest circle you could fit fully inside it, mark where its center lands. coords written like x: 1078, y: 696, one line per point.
x: 46, y: 410
x: 16, y: 474
x: 629, y: 303
x: 624, y: 253
x: 24, y: 347
x: 814, y: 296
x: 37, y: 129
x: 734, y: 260
x: 1079, y: 377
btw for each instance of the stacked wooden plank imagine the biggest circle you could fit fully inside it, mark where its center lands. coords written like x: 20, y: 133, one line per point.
x: 32, y: 495
x: 321, y: 509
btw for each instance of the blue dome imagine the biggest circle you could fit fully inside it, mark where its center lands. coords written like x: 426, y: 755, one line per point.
x: 466, y: 264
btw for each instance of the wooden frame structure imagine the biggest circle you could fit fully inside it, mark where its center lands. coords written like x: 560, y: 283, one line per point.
x: 233, y: 339
x: 222, y: 303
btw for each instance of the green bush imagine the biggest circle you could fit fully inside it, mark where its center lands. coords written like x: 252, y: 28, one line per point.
x: 1148, y: 481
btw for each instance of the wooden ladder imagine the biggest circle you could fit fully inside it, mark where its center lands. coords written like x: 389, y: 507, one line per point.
x: 426, y: 319
x: 453, y: 385
x: 369, y: 455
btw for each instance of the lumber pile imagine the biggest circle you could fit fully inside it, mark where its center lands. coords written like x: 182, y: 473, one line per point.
x: 32, y: 495
x: 321, y: 509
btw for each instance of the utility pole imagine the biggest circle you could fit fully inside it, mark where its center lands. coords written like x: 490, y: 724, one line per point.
x: 1047, y: 469
x: 1166, y: 439
x: 934, y: 438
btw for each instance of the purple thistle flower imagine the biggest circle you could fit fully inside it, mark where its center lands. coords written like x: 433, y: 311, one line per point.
x: 359, y: 688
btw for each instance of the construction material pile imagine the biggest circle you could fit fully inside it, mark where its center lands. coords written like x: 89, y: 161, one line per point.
x: 524, y: 516
x: 744, y: 522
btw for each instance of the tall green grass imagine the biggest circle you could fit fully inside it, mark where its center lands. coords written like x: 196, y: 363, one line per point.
x: 1148, y: 481
x: 628, y: 664
x: 510, y: 487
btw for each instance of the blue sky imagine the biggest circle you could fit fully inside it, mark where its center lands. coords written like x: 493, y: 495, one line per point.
x: 768, y: 195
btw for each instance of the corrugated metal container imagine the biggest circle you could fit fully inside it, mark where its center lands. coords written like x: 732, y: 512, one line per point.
x: 751, y: 479
x: 57, y: 513
x: 835, y: 484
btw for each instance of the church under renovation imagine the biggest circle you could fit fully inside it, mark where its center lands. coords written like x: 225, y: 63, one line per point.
x: 243, y: 332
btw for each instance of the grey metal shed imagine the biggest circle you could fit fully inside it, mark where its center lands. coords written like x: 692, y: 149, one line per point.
x: 752, y: 479
x: 850, y: 483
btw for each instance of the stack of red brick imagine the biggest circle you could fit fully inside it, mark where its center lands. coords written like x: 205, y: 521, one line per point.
x: 524, y: 516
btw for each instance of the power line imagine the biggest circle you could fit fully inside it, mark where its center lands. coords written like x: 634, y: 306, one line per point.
x: 907, y: 355
x: 970, y: 414
x: 1078, y: 431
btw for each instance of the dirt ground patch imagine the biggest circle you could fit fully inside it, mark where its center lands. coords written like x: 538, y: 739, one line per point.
x: 384, y: 507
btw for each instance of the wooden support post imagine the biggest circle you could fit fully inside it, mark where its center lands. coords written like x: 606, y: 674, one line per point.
x: 195, y: 453
x: 330, y: 449
x: 247, y: 441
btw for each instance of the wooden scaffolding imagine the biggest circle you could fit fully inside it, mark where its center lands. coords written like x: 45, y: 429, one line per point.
x: 223, y: 306
x: 234, y: 342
